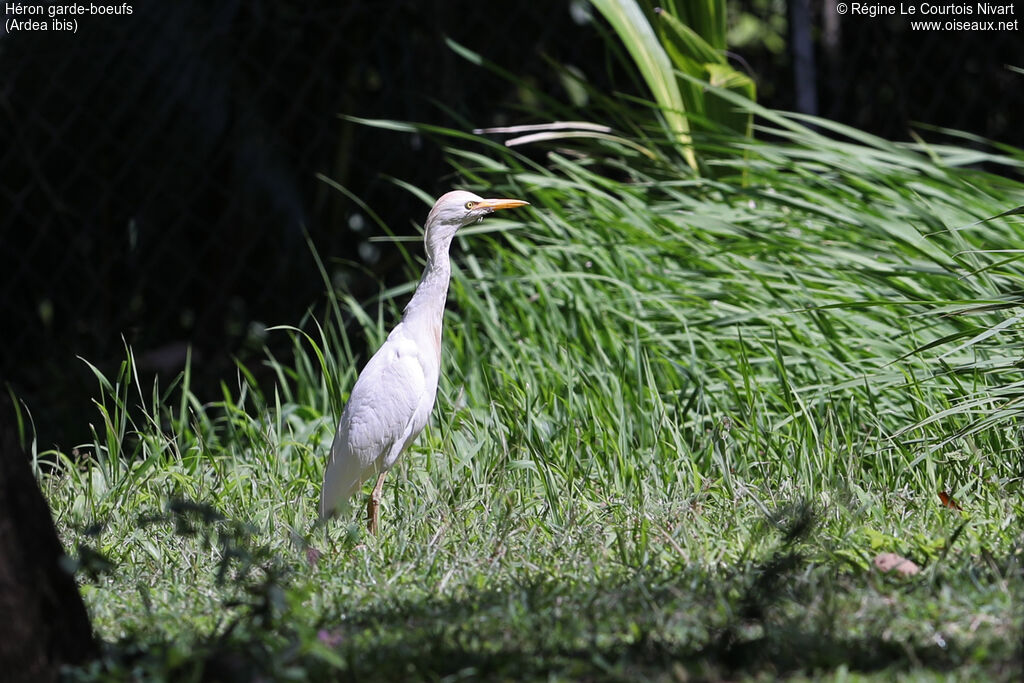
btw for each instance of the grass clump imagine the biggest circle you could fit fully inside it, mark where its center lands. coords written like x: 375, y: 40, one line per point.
x: 679, y: 417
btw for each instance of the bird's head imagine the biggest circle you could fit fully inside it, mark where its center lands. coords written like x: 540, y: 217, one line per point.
x: 456, y: 209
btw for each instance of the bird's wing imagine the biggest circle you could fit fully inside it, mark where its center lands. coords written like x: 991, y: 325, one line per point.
x: 380, y: 416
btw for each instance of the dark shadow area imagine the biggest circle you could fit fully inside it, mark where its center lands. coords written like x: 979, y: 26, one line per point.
x: 774, y: 614
x: 45, y: 625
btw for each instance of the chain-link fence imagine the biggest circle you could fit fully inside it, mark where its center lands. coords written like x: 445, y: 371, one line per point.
x: 157, y: 176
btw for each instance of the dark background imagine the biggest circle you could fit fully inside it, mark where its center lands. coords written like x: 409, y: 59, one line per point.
x: 157, y: 171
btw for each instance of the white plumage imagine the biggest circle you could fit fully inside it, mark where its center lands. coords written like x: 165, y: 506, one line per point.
x: 394, y: 394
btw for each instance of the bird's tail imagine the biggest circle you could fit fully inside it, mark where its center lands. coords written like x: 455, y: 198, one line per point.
x: 342, y: 480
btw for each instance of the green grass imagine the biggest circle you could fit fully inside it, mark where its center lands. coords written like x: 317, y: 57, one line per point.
x: 678, y: 419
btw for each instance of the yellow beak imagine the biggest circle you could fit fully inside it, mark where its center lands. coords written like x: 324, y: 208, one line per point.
x: 495, y: 204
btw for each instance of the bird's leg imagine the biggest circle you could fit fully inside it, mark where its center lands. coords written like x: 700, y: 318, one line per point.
x: 373, y: 505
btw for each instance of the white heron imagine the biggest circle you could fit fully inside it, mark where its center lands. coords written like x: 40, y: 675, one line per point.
x: 395, y: 392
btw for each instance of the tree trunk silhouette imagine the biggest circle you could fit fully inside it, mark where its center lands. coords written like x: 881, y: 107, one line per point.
x: 43, y: 622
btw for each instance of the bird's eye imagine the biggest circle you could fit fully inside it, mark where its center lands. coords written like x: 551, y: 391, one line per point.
x: 470, y: 205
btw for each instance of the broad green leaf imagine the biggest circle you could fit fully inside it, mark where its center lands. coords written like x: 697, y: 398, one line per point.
x: 632, y: 27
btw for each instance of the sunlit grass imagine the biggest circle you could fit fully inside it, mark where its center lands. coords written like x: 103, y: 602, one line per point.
x: 678, y: 419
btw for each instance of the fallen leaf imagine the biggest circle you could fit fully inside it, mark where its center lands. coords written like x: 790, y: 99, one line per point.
x: 948, y: 501
x: 888, y: 562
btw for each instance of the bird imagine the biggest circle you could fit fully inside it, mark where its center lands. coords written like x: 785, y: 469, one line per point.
x: 394, y: 394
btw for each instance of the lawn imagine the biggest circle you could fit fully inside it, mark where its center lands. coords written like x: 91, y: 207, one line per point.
x: 680, y: 417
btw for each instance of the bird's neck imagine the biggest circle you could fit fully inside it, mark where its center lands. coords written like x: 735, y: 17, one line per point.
x: 427, y: 303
